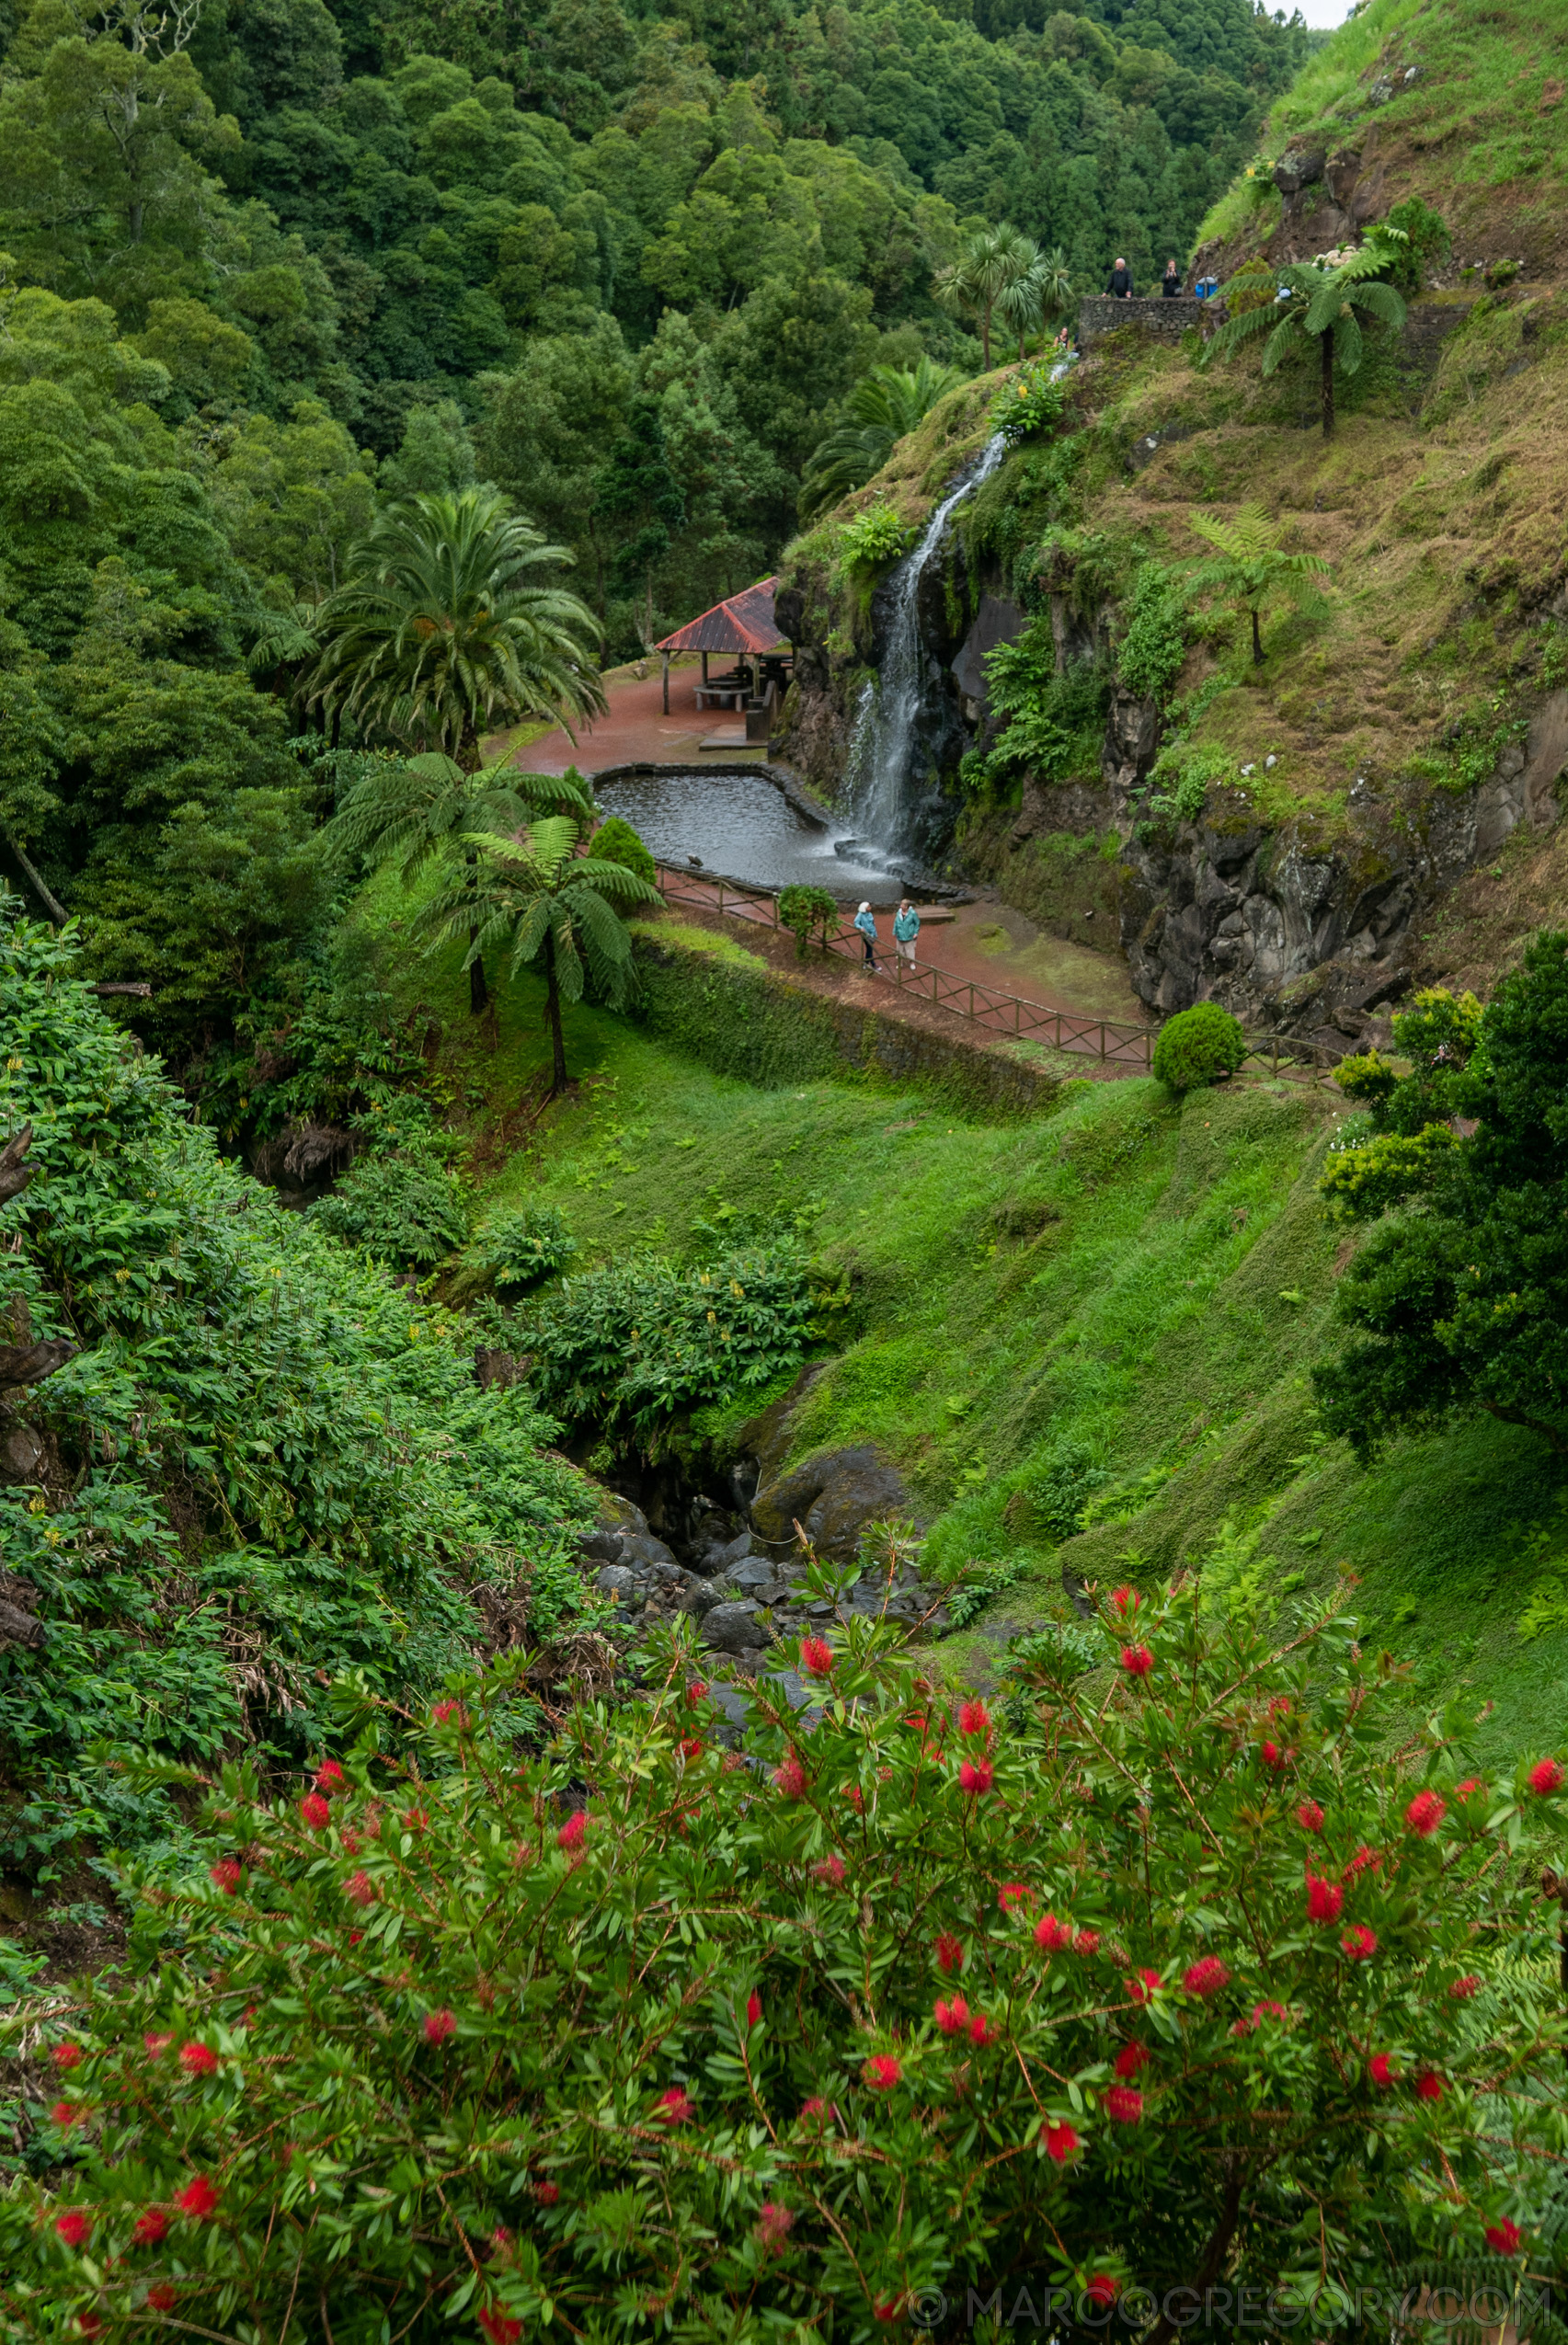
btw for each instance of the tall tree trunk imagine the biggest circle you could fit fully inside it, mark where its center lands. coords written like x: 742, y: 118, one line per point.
x: 1327, y: 339
x: 1257, y: 640
x: 552, y: 1015
x: 478, y: 991
x: 985, y: 336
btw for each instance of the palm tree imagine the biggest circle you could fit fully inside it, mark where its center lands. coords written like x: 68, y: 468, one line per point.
x: 557, y: 905
x: 973, y: 283
x: 406, y: 810
x: 444, y: 629
x: 1043, y: 293
x: 1323, y: 307
x: 1251, y: 569
x: 884, y: 405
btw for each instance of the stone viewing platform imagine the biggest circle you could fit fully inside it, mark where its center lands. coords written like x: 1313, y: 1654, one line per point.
x: 1103, y: 316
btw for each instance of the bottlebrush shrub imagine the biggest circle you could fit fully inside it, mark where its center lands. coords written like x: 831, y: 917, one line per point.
x: 538, y: 2070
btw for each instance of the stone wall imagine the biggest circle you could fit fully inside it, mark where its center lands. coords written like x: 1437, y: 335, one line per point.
x: 1103, y: 316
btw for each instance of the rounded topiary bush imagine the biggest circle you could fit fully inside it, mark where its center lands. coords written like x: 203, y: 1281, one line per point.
x: 1196, y: 1045
x: 615, y: 841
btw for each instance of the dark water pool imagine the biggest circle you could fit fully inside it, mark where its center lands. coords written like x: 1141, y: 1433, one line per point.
x: 741, y: 827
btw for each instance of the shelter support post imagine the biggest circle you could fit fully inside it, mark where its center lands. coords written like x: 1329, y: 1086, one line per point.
x: 665, y: 658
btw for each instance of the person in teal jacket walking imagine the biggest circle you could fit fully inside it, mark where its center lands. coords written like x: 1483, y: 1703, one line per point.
x: 906, y: 928
x: 866, y: 921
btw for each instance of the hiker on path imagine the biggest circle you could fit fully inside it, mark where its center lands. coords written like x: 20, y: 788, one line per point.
x: 1171, y: 283
x: 865, y: 920
x: 906, y: 928
x: 1120, y: 286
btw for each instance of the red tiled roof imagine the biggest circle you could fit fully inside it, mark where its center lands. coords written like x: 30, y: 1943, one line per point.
x: 745, y: 623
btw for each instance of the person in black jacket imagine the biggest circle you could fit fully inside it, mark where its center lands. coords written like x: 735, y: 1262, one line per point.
x: 1171, y: 283
x: 1120, y: 286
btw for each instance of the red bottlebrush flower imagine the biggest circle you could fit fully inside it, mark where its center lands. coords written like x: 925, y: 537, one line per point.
x: 1272, y: 1757
x: 355, y: 1936
x: 1050, y: 1934
x: 1359, y: 1942
x: 439, y: 2025
x: 1364, y: 1859
x: 1144, y: 1986
x: 63, y: 2113
x: 1545, y: 1776
x: 949, y: 1951
x: 1125, y: 2103
x: 882, y: 2072
x: 855, y: 1797
x: 673, y: 2106
x: 1425, y: 1813
x: 441, y: 1712
x: 974, y: 1776
x: 1206, y: 1977
x: 1503, y: 2237
x: 1380, y: 2068
x: 1131, y: 2059
x: 974, y: 1718
x: 163, y: 2298
x: 697, y: 1692
x: 1101, y: 2289
x: 67, y: 2055
x: 360, y: 1890
x: 152, y: 2224
x: 817, y: 1656
x: 1125, y: 1600
x: 225, y: 1875
x: 314, y: 1812
x: 156, y: 2045
x: 1310, y: 1816
x: 1060, y: 2143
x: 774, y: 2223
x: 1086, y: 1942
x: 1324, y: 1899
x: 886, y: 2308
x: 981, y: 2032
x: 572, y: 1832
x: 691, y: 1747
x: 329, y: 1776
x: 500, y: 2238
x: 830, y: 1869
x: 74, y: 2227
x: 546, y: 2192
x: 498, y: 2327
x: 1279, y: 1707
x: 1429, y: 2086
x: 1137, y: 1660
x: 1462, y: 1989
x: 790, y: 1778
x: 199, y: 2199
x: 817, y: 2109
x: 1013, y: 1893
x: 1262, y: 2011
x: 198, y: 2059
x: 952, y: 2017
x: 352, y: 1841
x: 1471, y: 1784
x: 416, y: 1820
x: 753, y: 2009
x: 89, y: 2325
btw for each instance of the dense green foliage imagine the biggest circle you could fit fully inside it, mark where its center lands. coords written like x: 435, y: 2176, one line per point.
x: 615, y: 841
x: 1461, y: 1294
x: 520, y: 1248
x: 1197, y: 1044
x: 1147, y: 1980
x: 807, y: 911
x: 265, y: 1462
x: 885, y: 404
x: 405, y: 1210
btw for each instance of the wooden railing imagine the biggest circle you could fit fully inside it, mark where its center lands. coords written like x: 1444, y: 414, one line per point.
x: 982, y: 1005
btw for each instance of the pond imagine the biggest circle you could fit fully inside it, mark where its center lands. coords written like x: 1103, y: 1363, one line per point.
x: 741, y: 827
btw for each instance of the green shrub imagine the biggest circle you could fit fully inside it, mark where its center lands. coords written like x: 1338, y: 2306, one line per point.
x: 633, y: 1343
x: 407, y: 1210
x: 1155, y: 643
x: 615, y: 841
x: 873, y: 538
x: 520, y: 1248
x: 1030, y: 403
x: 802, y: 909
x: 1427, y: 243
x: 1181, y: 777
x: 1190, y: 1961
x: 1196, y: 1045
x: 1054, y: 722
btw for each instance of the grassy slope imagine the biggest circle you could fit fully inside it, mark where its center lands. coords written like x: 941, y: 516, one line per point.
x: 1165, y: 1319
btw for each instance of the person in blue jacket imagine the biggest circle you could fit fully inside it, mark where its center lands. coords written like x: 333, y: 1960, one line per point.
x: 906, y: 928
x: 865, y: 920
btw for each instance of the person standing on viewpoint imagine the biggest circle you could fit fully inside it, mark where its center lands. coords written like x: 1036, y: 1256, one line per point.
x: 906, y: 928
x: 1171, y: 283
x: 1120, y: 286
x: 865, y: 920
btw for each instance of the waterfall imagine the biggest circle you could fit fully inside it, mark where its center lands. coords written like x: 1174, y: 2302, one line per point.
x: 887, y: 724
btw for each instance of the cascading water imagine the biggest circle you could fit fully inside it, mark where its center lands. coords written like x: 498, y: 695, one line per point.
x: 887, y: 725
